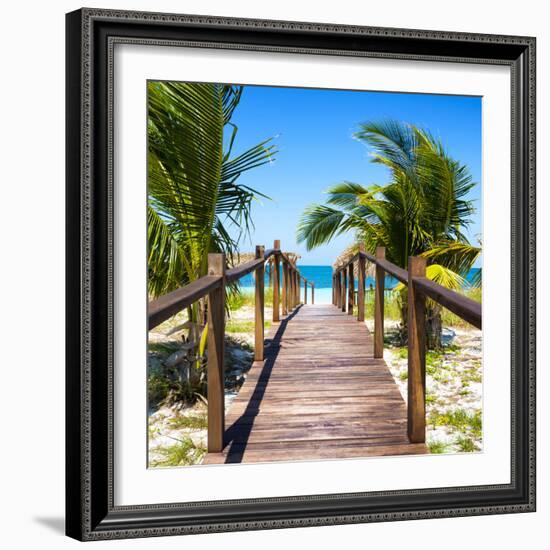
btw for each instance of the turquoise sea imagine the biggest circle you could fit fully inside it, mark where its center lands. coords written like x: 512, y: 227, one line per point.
x: 321, y: 276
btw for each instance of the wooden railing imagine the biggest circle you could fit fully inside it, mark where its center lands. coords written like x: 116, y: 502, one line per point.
x: 418, y: 289
x: 286, y: 297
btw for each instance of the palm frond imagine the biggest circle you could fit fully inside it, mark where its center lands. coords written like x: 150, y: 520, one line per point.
x: 458, y: 256
x: 194, y: 195
x: 318, y: 225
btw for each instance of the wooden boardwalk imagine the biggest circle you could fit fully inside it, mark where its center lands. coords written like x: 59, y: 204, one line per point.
x: 318, y: 394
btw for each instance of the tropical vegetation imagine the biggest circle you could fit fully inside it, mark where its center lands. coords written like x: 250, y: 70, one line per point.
x: 196, y: 204
x: 422, y: 211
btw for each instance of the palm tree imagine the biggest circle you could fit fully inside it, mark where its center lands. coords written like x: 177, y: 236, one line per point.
x: 195, y: 204
x: 423, y: 210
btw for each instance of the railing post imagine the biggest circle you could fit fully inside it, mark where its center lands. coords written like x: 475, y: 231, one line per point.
x: 379, y: 305
x: 312, y: 294
x: 305, y: 291
x: 344, y: 289
x: 416, y: 390
x: 215, y: 367
x: 295, y: 289
x: 290, y: 293
x: 275, y: 275
x: 292, y: 288
x: 284, y: 294
x: 269, y: 267
x: 351, y: 288
x: 361, y: 286
x: 259, y: 308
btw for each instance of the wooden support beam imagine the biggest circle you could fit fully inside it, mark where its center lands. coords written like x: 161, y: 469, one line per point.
x: 293, y: 293
x: 305, y: 291
x: 351, y: 288
x: 379, y: 305
x: 416, y: 390
x: 361, y: 287
x: 293, y: 287
x: 312, y: 293
x: 259, y: 308
x: 290, y: 293
x: 343, y: 290
x: 284, y: 294
x: 276, y: 282
x: 215, y: 367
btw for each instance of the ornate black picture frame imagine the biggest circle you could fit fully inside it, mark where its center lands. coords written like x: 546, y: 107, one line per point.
x: 91, y: 513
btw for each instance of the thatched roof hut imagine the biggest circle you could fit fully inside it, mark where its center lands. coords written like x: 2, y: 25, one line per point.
x: 347, y: 254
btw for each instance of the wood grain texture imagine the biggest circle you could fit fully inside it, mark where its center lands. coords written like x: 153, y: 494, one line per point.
x: 380, y: 277
x: 259, y: 299
x: 351, y: 289
x: 216, y: 374
x: 416, y: 329
x: 284, y: 293
x: 343, y: 290
x: 361, y: 288
x: 276, y: 283
x: 319, y: 393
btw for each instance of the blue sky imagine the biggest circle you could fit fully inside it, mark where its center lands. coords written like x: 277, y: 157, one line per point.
x: 313, y: 130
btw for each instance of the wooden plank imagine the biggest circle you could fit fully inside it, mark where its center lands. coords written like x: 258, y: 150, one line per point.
x: 416, y: 382
x: 311, y: 452
x: 215, y: 367
x: 311, y: 399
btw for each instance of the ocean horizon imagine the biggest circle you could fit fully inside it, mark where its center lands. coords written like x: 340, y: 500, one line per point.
x: 321, y: 277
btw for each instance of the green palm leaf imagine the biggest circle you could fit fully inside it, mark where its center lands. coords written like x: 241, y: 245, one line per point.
x: 196, y: 204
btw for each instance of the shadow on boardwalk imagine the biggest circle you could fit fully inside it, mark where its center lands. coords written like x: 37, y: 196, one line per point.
x: 243, y: 426
x: 319, y: 394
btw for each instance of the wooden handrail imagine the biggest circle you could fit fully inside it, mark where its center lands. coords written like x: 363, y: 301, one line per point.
x: 212, y: 286
x: 419, y: 288
x: 400, y: 274
x: 460, y: 305
x: 164, y: 307
x: 235, y: 273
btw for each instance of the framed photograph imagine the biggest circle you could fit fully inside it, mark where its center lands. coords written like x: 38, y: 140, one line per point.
x: 300, y: 274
